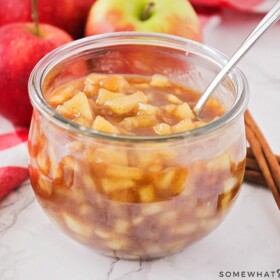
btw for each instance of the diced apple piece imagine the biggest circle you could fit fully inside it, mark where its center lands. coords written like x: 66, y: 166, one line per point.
x: 112, y: 185
x: 90, y: 89
x: 138, y: 220
x: 172, y: 179
x: 65, y: 171
x: 81, y: 120
x: 206, y: 209
x: 121, y: 226
x: 126, y: 104
x: 151, y: 209
x: 182, y: 126
x: 52, y: 153
x: 185, y: 229
x: 181, y: 112
x: 111, y: 155
x: 77, y: 226
x: 184, y: 111
x: 152, y: 249
x: 125, y: 195
x: 64, y: 112
x: 159, y: 81
x: 221, y: 162
x: 117, y: 244
x: 43, y: 162
x: 45, y: 186
x: 79, y: 105
x: 95, y: 78
x: 199, y: 124
x: 73, y: 195
x: 105, y: 95
x: 102, y: 233
x: 169, y: 109
x: 61, y: 94
x: 103, y: 125
x: 169, y: 217
x: 114, y: 83
x: 85, y: 209
x: 146, y: 194
x: 229, y: 184
x: 142, y: 86
x: 162, y: 128
x: 138, y: 122
x: 164, y: 180
x: 209, y: 224
x: 215, y: 105
x: 124, y: 172
x: 174, y: 99
x: 147, y: 109
x: 91, y: 85
x: 148, y: 160
x: 179, y: 182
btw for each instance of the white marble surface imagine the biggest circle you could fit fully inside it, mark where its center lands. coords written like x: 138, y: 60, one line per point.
x: 248, y: 240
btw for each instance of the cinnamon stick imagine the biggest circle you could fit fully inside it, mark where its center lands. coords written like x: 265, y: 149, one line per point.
x: 251, y: 155
x: 254, y: 176
x: 265, y: 158
x: 252, y: 171
x: 251, y: 164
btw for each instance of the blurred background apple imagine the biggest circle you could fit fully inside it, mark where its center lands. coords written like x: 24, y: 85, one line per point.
x: 69, y: 15
x: 21, y: 47
x: 165, y: 16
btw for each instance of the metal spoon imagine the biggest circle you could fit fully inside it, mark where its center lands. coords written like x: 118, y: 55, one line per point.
x: 268, y: 21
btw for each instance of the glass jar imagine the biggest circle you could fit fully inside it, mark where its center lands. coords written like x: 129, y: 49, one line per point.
x: 106, y: 191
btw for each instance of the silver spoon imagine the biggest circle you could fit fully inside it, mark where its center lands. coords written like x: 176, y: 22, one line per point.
x: 269, y: 20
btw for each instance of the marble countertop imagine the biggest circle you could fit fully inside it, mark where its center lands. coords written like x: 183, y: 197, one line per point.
x: 248, y: 240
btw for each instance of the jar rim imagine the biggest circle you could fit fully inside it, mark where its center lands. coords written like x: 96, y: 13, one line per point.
x: 44, y: 66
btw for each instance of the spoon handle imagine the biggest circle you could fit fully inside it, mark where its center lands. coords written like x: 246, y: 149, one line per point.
x: 271, y: 18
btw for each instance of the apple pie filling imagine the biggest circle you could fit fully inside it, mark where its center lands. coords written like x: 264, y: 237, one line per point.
x: 128, y: 200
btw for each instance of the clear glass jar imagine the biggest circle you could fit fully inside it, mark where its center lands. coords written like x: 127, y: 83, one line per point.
x: 75, y: 170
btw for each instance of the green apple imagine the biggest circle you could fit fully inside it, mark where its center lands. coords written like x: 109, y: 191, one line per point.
x: 176, y: 17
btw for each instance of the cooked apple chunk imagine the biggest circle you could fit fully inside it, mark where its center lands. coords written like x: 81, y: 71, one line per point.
x: 174, y: 99
x: 116, y: 83
x: 105, y: 95
x: 124, y: 172
x: 184, y: 111
x: 146, y: 194
x: 147, y: 109
x: 126, y: 104
x: 77, y: 226
x: 61, y: 94
x: 64, y: 112
x: 182, y: 126
x: 138, y: 122
x: 159, y: 81
x: 103, y: 125
x: 111, y: 155
x: 91, y: 85
x: 162, y: 128
x: 45, y: 186
x: 112, y: 185
x: 79, y: 105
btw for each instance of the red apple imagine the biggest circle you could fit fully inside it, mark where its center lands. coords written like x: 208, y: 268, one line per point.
x: 20, y: 49
x: 69, y: 15
x: 173, y: 17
